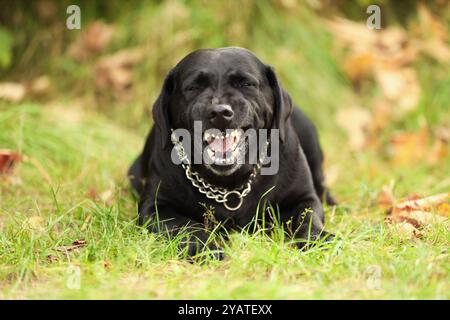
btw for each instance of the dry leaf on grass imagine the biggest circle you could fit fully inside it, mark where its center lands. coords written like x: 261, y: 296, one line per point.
x: 93, y: 40
x: 427, y: 203
x: 114, y: 73
x: 386, y: 197
x: 400, y: 86
x: 39, y: 86
x: 405, y: 230
x: 354, y: 121
x: 407, y: 148
x: 8, y: 159
x: 106, y: 196
x: 386, y: 56
x: 12, y: 91
x: 408, y: 217
x: 77, y: 244
x: 433, y: 35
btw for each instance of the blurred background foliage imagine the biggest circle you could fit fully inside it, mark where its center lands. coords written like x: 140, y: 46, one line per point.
x: 333, y: 66
x: 75, y: 108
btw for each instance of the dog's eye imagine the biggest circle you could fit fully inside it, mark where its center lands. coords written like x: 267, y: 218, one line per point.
x: 245, y: 84
x: 192, y: 88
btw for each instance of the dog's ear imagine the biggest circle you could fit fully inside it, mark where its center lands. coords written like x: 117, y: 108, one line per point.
x: 282, y: 103
x: 160, y: 110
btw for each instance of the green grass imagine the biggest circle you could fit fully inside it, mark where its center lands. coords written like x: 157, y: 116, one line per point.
x: 121, y: 260
x: 76, y: 141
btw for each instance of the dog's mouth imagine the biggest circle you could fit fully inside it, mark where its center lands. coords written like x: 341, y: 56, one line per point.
x: 223, y: 148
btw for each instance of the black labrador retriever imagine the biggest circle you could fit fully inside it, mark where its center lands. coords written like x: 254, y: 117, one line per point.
x: 228, y: 91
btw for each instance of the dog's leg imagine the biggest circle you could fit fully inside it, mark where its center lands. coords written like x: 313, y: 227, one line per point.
x: 135, y: 175
x: 305, y: 221
x: 168, y: 221
x: 309, y: 140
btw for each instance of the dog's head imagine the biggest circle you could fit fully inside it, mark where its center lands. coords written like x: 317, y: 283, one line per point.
x: 229, y: 90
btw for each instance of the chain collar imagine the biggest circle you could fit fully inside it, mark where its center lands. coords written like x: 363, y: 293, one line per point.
x: 219, y: 194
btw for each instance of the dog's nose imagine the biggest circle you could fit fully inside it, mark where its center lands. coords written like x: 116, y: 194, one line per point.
x: 221, y: 115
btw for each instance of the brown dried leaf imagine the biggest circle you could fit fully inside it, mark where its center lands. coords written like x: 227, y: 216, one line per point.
x: 443, y: 209
x: 422, y: 203
x: 354, y: 121
x: 439, y: 151
x: 350, y: 33
x: 12, y: 91
x: 412, y: 214
x: 358, y: 65
x: 400, y: 85
x: 40, y: 86
x: 408, y: 147
x: 115, y: 71
x: 93, y: 40
x: 52, y: 258
x: 77, y: 244
x: 404, y: 230
x: 8, y: 159
x: 433, y: 34
x: 386, y: 197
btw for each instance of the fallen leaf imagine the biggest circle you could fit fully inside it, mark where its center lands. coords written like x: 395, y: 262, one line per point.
x: 358, y: 65
x: 12, y: 91
x: 404, y: 230
x: 422, y: 203
x: 408, y: 147
x: 354, y: 121
x: 439, y: 151
x: 92, y: 193
x: 74, y: 246
x: 93, y: 40
x: 443, y: 209
x: 425, y: 217
x: 386, y: 197
x: 393, y: 47
x: 433, y: 35
x: 52, y: 258
x: 114, y: 73
x: 400, y: 86
x: 107, y: 196
x: 107, y: 265
x: 40, y: 86
x: 8, y: 159
x: 411, y: 215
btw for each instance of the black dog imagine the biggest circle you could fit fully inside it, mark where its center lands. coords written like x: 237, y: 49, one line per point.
x: 226, y: 89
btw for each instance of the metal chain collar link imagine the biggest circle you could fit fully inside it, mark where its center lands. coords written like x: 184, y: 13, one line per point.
x: 219, y: 194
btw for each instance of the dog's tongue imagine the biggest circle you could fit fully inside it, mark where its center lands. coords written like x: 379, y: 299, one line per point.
x: 222, y: 145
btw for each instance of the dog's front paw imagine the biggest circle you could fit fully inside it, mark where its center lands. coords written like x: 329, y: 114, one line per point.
x: 197, y: 247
